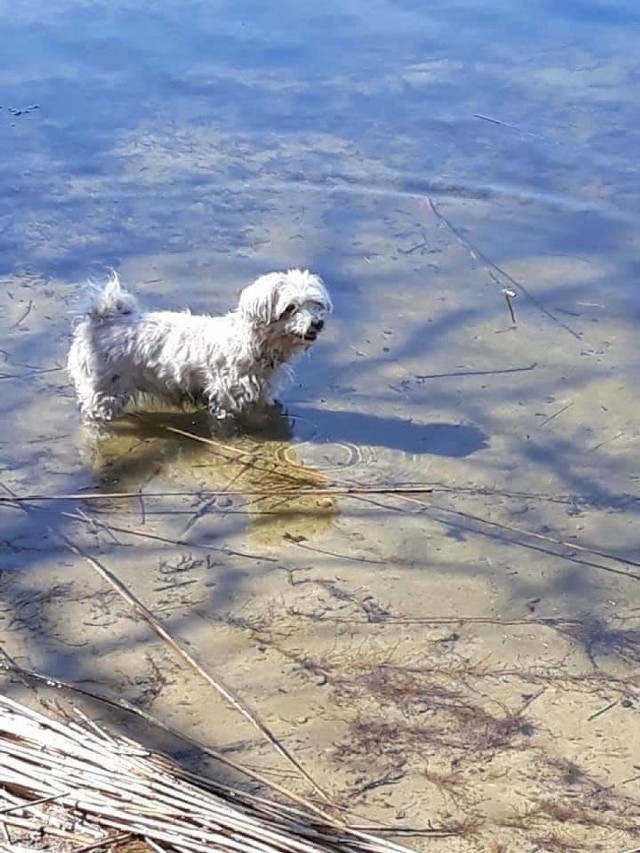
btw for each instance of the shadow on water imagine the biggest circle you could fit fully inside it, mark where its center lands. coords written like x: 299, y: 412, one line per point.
x: 399, y: 434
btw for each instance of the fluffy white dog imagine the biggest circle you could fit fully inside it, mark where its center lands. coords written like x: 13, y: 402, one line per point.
x: 121, y: 355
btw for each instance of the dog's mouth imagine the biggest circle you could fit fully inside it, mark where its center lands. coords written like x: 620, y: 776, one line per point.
x: 306, y: 338
x: 313, y: 331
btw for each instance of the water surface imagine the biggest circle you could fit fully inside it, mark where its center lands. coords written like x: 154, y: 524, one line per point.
x: 422, y: 158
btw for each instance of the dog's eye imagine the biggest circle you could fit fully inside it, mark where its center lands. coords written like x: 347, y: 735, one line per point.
x: 288, y: 311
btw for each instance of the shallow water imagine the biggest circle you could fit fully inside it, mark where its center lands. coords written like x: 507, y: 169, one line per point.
x: 422, y: 158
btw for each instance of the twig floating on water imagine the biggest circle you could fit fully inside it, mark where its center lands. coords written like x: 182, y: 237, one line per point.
x: 602, y: 710
x: 493, y: 268
x: 510, y: 295
x: 229, y: 552
x: 411, y: 488
x: 23, y: 316
x: 495, y: 372
x: 509, y: 126
x: 164, y: 635
x: 571, y: 546
x: 556, y: 414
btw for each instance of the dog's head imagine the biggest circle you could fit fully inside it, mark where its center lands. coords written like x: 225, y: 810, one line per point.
x: 287, y: 308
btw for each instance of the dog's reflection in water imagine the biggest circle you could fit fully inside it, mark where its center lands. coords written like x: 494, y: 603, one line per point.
x: 153, y: 451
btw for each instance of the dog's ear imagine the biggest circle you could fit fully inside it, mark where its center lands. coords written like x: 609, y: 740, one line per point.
x: 258, y: 301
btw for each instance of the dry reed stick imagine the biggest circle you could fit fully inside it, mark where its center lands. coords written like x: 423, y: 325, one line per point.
x: 405, y: 494
x: 162, y: 632
x: 360, y: 493
x: 572, y: 546
x: 164, y: 635
x: 236, y: 453
x: 155, y: 537
x: 123, y: 705
x: 105, y: 843
x: 117, y: 784
x: 32, y: 803
x: 306, y: 490
x: 492, y: 268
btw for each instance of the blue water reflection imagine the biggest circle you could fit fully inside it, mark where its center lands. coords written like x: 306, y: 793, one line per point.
x: 239, y: 96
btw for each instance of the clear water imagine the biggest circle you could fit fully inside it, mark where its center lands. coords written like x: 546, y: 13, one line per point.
x: 422, y: 158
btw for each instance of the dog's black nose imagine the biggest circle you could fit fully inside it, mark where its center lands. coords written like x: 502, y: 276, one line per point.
x: 318, y: 325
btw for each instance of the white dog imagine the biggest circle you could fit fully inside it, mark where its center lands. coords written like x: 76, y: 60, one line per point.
x: 122, y: 355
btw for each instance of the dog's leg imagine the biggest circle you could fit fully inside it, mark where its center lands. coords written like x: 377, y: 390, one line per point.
x: 222, y: 399
x: 227, y: 397
x: 102, y: 407
x: 101, y: 390
x: 273, y: 385
x: 100, y: 398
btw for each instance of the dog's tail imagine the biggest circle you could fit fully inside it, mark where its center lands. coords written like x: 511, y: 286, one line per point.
x: 112, y: 301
